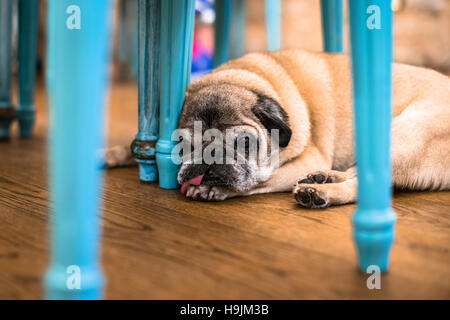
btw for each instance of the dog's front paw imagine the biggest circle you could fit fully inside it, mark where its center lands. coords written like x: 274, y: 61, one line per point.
x: 310, y: 197
x: 319, y: 177
x: 207, y: 193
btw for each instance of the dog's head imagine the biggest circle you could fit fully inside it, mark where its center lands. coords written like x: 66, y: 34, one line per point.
x: 233, y: 134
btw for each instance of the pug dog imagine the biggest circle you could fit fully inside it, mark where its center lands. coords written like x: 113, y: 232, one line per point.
x: 307, y: 98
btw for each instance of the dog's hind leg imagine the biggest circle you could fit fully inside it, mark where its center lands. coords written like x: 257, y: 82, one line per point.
x: 117, y: 156
x: 421, y: 147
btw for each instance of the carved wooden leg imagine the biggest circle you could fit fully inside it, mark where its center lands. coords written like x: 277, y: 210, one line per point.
x: 135, y: 38
x: 222, y: 26
x: 77, y: 84
x: 7, y: 110
x: 28, y: 29
x: 332, y: 25
x: 122, y: 54
x: 273, y: 24
x: 128, y: 39
x: 371, y: 43
x: 177, y: 31
x: 143, y: 146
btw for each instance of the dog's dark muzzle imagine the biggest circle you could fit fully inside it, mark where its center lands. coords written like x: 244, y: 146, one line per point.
x: 213, y: 175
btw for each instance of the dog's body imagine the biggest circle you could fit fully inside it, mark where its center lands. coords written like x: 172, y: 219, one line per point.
x: 308, y: 97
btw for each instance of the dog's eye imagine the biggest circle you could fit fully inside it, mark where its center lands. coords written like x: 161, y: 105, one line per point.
x: 247, y: 143
x: 242, y: 142
x: 245, y: 140
x: 180, y: 140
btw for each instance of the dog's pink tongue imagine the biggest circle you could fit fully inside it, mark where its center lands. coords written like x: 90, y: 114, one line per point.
x: 193, y: 182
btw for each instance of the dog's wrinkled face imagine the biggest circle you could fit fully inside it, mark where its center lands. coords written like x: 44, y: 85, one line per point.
x: 227, y: 122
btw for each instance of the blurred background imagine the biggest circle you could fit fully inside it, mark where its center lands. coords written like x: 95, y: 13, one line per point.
x: 422, y: 38
x: 422, y: 29
x: 422, y: 32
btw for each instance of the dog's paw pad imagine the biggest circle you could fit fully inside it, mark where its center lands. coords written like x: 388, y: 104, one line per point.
x: 310, y: 197
x: 306, y: 181
x: 318, y: 177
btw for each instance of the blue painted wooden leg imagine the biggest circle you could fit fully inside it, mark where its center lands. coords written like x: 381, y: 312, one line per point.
x: 135, y: 36
x: 77, y: 83
x: 123, y: 41
x: 332, y: 25
x: 7, y: 110
x: 128, y: 39
x: 143, y: 147
x: 28, y: 29
x: 222, y: 26
x: 374, y: 219
x: 273, y: 24
x: 237, y: 45
x: 177, y: 31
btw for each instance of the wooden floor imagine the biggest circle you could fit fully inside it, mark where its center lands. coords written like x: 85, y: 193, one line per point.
x: 158, y: 245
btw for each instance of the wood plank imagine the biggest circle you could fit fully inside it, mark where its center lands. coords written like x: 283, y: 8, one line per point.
x: 158, y: 245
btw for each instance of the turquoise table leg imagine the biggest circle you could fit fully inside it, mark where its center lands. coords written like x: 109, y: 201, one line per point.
x: 332, y: 25
x: 237, y: 45
x: 371, y: 43
x: 222, y: 26
x: 177, y: 31
x: 143, y: 146
x: 28, y: 29
x: 77, y: 82
x: 7, y: 110
x: 273, y: 24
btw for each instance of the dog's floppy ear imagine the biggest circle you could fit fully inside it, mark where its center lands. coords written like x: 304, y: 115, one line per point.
x: 272, y: 116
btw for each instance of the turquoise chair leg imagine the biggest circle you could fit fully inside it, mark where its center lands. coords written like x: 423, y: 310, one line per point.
x: 222, y: 26
x: 135, y: 47
x: 332, y: 25
x: 177, y: 32
x: 273, y: 24
x: 128, y: 39
x: 28, y: 29
x: 143, y: 146
x: 237, y: 45
x: 7, y: 110
x: 123, y: 41
x: 374, y: 219
x: 77, y: 84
